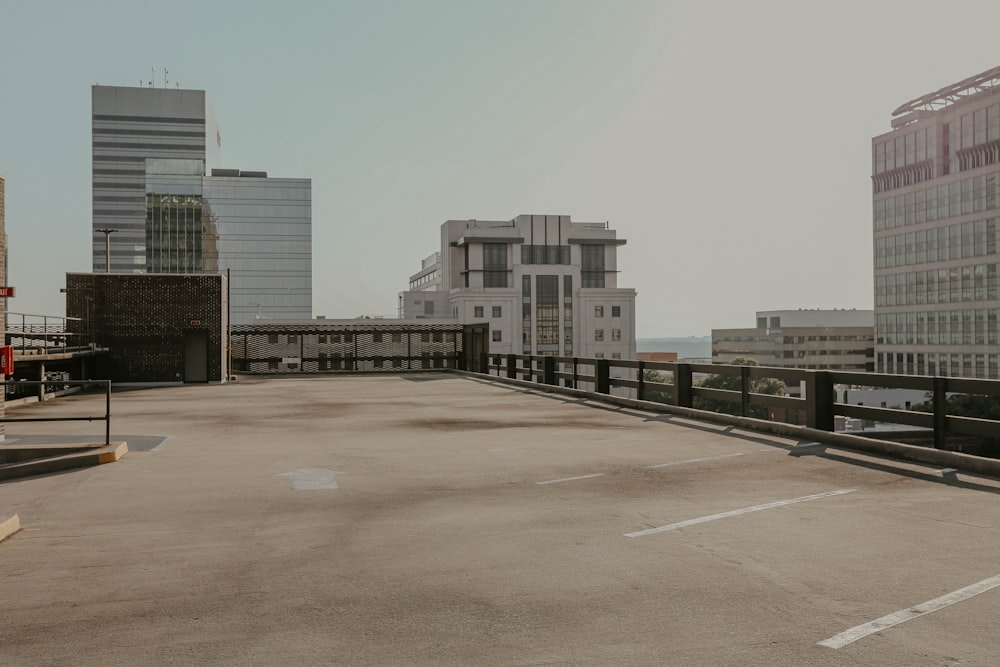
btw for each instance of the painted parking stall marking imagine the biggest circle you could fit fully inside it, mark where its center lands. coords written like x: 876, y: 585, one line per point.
x: 572, y: 479
x: 731, y: 513
x: 704, y: 458
x: 859, y: 632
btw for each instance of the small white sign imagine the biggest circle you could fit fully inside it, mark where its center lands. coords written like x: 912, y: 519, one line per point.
x: 291, y: 360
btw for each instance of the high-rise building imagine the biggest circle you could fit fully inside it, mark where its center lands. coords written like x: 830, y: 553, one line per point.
x: 936, y: 209
x: 130, y: 126
x: 544, y: 285
x: 164, y: 206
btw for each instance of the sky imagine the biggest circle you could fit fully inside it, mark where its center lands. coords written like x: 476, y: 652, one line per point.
x: 728, y: 142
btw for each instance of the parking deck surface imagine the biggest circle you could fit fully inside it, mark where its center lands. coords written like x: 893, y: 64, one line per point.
x: 442, y: 520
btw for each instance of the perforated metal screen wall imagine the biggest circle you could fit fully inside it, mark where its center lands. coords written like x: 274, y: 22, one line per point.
x: 311, y: 347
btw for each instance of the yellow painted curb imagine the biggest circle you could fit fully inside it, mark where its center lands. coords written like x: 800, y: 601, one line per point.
x: 9, y: 527
x: 113, y: 455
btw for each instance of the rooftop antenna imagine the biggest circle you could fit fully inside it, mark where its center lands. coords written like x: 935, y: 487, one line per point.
x: 164, y: 77
x: 152, y: 76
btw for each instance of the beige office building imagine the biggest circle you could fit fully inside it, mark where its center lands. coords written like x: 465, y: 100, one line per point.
x: 813, y: 339
x: 935, y: 192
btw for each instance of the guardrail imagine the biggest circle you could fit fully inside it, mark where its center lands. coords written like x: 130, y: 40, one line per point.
x: 42, y: 334
x: 106, y: 418
x: 818, y: 402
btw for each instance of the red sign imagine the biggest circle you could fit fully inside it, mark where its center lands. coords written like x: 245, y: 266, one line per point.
x: 6, y: 291
x: 196, y: 323
x: 7, y: 359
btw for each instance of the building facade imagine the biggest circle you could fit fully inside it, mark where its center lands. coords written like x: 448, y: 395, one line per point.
x: 936, y: 209
x: 130, y: 126
x: 812, y: 339
x: 157, y: 327
x: 158, y: 186
x: 543, y: 285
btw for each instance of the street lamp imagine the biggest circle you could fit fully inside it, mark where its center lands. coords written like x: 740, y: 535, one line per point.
x: 107, y: 247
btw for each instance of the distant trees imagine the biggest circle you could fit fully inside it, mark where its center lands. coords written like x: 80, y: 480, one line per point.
x: 965, y: 405
x: 654, y: 393
x: 770, y: 386
x: 731, y: 382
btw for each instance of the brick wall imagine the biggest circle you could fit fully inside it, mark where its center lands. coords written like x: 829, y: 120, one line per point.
x: 143, y: 319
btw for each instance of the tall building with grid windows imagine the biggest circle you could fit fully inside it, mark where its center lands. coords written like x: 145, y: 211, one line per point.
x: 543, y: 284
x: 168, y: 207
x: 936, y: 209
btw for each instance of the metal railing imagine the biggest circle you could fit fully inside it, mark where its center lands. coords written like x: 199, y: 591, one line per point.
x: 816, y: 407
x: 106, y: 418
x: 44, y: 334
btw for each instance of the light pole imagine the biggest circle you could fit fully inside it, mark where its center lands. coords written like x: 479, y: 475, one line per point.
x: 107, y: 247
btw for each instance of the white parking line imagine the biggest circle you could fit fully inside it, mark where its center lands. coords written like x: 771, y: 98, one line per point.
x: 572, y: 479
x: 745, y: 510
x: 707, y: 458
x: 858, y: 632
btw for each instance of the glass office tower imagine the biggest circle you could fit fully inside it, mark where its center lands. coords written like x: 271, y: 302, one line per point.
x: 129, y: 126
x: 152, y: 151
x: 264, y: 228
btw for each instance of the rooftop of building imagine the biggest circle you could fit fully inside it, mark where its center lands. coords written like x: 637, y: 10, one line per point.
x: 439, y: 519
x: 987, y: 82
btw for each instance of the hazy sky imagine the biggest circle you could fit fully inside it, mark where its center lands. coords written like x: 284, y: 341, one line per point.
x: 729, y: 142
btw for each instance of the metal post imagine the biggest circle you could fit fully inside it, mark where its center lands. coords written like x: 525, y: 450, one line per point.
x: 642, y: 381
x: 819, y: 400
x: 603, y: 373
x: 511, y: 366
x: 107, y: 247
x: 744, y: 391
x: 107, y: 414
x: 549, y: 370
x: 682, y: 386
x: 940, y: 403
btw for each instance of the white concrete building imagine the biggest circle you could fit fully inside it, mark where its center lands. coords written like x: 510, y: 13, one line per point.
x: 545, y: 285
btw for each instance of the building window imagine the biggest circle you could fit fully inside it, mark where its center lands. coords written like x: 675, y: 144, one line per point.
x: 599, y: 335
x: 397, y: 338
x: 598, y: 311
x: 322, y: 338
x: 547, y: 311
x: 497, y: 336
x: 272, y: 339
x: 477, y: 311
x: 592, y: 265
x: 616, y: 311
x: 496, y: 311
x: 293, y: 339
x: 377, y: 337
x: 616, y: 355
x: 494, y: 265
x: 544, y: 254
x: 598, y: 355
x: 272, y: 365
x: 616, y: 335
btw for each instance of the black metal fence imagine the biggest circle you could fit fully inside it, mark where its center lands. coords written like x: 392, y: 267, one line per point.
x: 106, y: 417
x: 816, y: 406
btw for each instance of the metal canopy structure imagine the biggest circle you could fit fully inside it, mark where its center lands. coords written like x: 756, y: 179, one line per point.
x: 952, y: 93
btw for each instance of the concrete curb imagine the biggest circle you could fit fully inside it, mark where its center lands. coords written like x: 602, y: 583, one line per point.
x: 41, y: 466
x: 9, y: 527
x: 897, y: 450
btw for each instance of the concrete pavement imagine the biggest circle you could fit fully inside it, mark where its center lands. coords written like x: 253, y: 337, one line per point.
x: 441, y: 520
